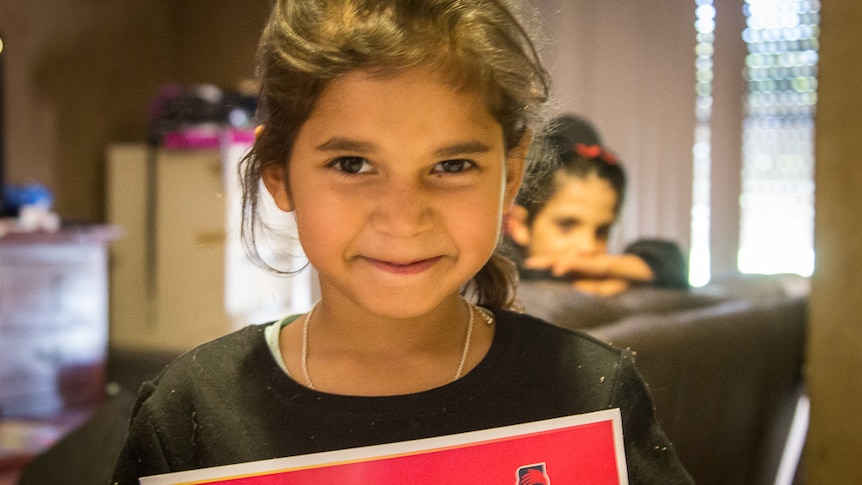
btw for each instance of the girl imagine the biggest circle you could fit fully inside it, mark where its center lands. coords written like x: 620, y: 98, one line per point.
x: 561, y: 228
x: 396, y: 132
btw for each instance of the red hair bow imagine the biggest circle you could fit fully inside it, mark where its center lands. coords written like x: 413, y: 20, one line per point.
x: 595, y: 151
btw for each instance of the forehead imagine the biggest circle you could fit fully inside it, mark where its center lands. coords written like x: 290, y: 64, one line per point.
x: 368, y: 102
x: 587, y: 198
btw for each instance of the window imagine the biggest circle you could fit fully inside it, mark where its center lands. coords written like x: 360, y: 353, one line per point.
x: 777, y: 193
x: 699, y: 266
x: 777, y: 201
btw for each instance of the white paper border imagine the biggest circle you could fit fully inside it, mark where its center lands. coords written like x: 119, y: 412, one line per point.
x: 365, y: 453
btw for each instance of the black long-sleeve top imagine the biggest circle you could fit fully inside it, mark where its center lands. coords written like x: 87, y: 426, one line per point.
x: 229, y: 402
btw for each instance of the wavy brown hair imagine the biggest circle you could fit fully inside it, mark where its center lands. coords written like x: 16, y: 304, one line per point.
x: 478, y: 45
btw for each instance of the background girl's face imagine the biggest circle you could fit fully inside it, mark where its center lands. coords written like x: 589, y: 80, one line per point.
x: 576, y: 220
x: 398, y: 184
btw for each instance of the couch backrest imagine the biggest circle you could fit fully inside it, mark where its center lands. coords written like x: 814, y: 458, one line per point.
x: 557, y: 302
x: 723, y: 362
x: 725, y: 380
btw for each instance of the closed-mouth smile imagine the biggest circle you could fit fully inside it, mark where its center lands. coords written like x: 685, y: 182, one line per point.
x: 403, y: 268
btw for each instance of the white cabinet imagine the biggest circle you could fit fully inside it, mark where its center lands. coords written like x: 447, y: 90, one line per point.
x: 177, y: 275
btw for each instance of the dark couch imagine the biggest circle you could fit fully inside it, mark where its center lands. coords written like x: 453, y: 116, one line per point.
x: 723, y: 362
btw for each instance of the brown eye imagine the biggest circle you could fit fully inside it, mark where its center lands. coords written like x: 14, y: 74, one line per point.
x: 567, y: 225
x: 452, y: 166
x: 351, y: 165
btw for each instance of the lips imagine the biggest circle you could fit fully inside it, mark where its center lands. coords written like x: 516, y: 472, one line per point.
x: 403, y: 268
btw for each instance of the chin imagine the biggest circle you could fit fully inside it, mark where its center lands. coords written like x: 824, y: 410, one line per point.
x: 406, y: 303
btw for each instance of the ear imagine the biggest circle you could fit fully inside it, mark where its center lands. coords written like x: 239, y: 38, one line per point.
x: 274, y: 177
x: 515, y: 163
x: 516, y: 226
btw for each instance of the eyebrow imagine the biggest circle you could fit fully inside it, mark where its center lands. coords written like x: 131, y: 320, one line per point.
x: 345, y: 144
x: 457, y: 149
x: 466, y: 148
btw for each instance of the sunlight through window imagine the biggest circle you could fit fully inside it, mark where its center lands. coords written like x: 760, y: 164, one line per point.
x: 777, y: 201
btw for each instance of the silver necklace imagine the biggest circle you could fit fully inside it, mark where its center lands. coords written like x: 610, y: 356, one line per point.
x: 487, y: 318
x: 466, y: 342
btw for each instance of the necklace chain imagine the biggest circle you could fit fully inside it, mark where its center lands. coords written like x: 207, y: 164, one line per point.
x: 488, y: 319
x: 305, y: 373
x: 466, y: 350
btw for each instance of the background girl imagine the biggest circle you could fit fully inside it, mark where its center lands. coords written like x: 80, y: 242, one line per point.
x: 562, y: 223
x: 396, y: 132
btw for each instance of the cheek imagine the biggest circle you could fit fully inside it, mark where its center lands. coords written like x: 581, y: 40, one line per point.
x: 544, y: 238
x: 473, y: 222
x: 559, y: 243
x: 479, y: 221
x: 312, y: 237
x: 602, y: 247
x: 321, y: 223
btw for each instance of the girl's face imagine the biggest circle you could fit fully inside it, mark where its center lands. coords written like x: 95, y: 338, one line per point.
x: 399, y: 184
x: 575, y: 221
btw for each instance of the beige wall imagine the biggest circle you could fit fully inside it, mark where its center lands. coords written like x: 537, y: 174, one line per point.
x: 629, y: 67
x: 834, y: 447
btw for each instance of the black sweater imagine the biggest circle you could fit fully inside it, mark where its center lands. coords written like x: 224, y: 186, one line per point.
x: 228, y: 402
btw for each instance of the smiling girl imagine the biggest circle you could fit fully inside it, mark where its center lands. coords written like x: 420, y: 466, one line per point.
x: 397, y: 132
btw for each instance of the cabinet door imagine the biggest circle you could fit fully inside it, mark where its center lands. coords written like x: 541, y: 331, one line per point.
x: 190, y: 242
x: 131, y: 318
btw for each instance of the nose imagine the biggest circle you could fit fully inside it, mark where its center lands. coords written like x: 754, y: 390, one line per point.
x: 585, y: 243
x: 402, y: 210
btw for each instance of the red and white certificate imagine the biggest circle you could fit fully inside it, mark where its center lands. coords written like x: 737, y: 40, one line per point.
x: 586, y: 449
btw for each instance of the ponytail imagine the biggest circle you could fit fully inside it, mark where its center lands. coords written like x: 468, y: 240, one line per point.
x: 494, y: 286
